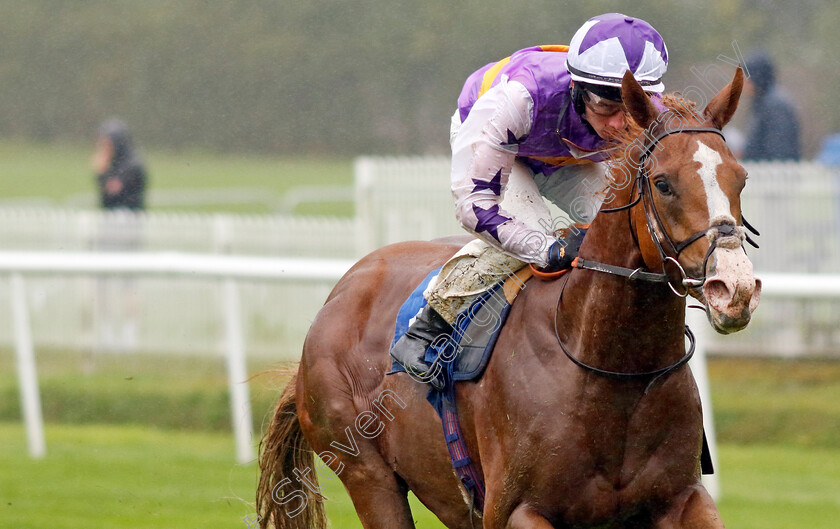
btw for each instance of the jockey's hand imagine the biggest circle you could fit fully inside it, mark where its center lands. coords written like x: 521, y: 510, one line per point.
x: 563, y: 252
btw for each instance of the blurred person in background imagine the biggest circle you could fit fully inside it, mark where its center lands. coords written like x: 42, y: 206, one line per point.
x: 534, y: 125
x: 120, y: 173
x: 121, y: 180
x: 773, y: 132
x: 735, y: 140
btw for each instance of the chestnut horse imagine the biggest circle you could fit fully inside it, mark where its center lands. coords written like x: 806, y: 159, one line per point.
x: 605, y: 434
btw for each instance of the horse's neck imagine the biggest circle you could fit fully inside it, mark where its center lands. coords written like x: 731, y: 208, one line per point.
x: 615, y: 323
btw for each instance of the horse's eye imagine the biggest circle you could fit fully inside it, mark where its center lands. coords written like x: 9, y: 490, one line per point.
x: 663, y: 187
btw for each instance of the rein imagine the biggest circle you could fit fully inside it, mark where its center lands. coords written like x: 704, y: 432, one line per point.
x: 654, y: 375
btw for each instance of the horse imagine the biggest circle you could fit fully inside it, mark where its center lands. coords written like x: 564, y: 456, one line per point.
x: 586, y: 414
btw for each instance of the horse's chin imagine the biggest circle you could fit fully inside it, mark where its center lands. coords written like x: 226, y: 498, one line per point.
x: 725, y: 324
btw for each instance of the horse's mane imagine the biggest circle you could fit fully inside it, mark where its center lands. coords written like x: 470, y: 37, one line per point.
x: 686, y: 109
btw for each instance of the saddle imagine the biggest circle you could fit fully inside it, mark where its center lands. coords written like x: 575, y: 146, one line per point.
x: 465, y: 351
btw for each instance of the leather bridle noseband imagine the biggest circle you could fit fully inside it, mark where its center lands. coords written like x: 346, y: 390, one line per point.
x: 642, y: 187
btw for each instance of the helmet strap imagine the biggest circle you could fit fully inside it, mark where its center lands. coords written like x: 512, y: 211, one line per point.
x: 578, y: 95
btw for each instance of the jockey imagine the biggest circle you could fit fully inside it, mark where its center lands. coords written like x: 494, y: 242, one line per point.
x: 533, y: 125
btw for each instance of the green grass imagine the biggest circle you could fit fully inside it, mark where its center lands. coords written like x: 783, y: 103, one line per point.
x: 144, y: 441
x: 104, y: 477
x: 57, y: 172
x: 97, y: 476
x: 776, y: 401
x: 779, y: 487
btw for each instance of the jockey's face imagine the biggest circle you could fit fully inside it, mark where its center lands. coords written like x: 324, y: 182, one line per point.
x: 605, y: 116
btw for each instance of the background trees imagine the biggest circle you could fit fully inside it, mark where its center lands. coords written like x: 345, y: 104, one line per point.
x: 333, y: 76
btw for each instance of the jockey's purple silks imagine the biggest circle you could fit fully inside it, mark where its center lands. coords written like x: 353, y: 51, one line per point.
x: 544, y: 75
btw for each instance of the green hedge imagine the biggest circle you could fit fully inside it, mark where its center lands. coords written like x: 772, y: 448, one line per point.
x: 755, y: 401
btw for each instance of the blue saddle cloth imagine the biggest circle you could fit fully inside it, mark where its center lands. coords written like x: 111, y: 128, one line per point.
x: 463, y: 353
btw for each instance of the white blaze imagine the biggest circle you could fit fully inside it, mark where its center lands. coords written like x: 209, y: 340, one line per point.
x: 716, y: 199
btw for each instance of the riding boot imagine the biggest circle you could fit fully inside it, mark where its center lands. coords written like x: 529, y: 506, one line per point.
x: 410, y: 349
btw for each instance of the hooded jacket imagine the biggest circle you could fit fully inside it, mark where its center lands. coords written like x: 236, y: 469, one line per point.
x: 773, y: 132
x: 126, y: 166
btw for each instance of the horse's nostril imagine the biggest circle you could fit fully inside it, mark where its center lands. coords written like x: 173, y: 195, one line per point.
x: 717, y: 293
x: 756, y: 295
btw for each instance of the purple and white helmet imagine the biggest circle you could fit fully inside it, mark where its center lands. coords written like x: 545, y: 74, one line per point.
x: 608, y: 45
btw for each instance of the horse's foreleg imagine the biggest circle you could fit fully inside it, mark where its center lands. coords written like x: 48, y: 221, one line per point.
x: 522, y: 517
x: 694, y: 509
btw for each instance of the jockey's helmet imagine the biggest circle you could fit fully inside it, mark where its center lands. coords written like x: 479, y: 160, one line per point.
x: 606, y: 46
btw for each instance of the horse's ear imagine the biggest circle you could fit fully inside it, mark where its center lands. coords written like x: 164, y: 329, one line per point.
x: 636, y: 101
x: 721, y: 108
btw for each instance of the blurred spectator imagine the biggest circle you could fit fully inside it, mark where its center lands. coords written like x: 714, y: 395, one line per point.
x: 121, y: 179
x: 120, y: 173
x: 773, y: 132
x: 735, y: 140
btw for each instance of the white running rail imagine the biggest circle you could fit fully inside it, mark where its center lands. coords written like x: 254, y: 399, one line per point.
x: 227, y: 269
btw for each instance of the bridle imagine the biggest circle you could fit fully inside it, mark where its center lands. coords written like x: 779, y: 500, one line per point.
x: 668, y: 249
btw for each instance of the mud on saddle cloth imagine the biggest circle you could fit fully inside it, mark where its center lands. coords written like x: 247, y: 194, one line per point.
x: 462, y: 355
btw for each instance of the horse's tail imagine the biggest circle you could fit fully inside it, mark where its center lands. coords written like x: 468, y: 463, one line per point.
x: 283, y: 501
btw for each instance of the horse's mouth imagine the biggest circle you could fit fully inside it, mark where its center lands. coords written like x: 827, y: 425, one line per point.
x: 724, y: 324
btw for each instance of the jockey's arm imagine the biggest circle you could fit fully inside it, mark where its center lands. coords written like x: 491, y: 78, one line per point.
x: 483, y: 154
x: 577, y: 190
